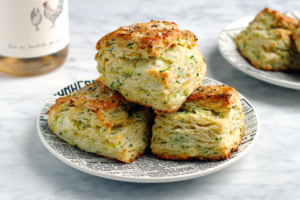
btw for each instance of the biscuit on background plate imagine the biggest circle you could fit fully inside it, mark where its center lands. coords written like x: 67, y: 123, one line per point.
x: 154, y: 64
x: 268, y: 43
x: 208, y: 126
x: 269, y: 49
x: 99, y: 120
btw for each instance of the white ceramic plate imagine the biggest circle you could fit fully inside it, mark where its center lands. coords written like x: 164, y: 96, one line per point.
x: 147, y: 168
x: 230, y: 52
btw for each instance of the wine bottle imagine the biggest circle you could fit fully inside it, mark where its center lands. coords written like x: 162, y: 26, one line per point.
x: 34, y: 36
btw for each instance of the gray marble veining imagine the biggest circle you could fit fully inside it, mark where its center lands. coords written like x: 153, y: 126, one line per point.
x: 269, y: 171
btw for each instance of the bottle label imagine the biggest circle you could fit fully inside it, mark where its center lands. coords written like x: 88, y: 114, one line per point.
x: 33, y: 28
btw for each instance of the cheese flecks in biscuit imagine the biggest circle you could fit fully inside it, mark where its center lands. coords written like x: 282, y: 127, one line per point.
x: 269, y: 19
x: 269, y: 49
x: 154, y: 64
x: 99, y: 120
x: 208, y: 126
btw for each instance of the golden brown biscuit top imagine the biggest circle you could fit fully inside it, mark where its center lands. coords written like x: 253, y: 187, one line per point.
x: 218, y: 97
x: 271, y: 19
x: 146, y: 39
x: 94, y: 97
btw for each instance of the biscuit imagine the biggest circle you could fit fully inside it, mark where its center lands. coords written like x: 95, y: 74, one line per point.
x: 269, y: 49
x: 154, y: 64
x: 269, y: 19
x: 99, y: 120
x: 208, y: 126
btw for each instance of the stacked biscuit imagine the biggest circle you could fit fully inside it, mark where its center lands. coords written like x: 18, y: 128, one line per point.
x: 150, y: 65
x: 271, y: 42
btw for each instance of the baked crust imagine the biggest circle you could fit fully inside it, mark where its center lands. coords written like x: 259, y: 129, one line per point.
x: 98, y: 98
x: 146, y: 40
x: 218, y: 97
x: 271, y: 19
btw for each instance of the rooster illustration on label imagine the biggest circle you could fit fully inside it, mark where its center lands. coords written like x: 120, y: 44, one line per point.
x: 49, y: 13
x: 36, y: 18
x: 53, y: 14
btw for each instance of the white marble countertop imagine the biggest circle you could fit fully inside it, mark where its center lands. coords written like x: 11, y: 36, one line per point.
x: 269, y: 171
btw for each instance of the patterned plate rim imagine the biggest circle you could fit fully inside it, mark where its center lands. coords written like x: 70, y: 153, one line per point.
x: 255, y: 74
x: 227, y: 163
